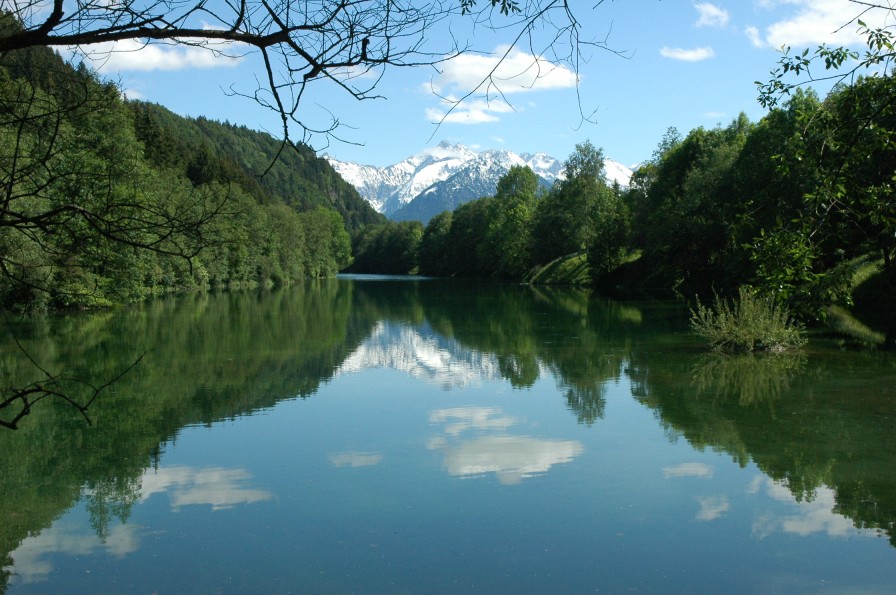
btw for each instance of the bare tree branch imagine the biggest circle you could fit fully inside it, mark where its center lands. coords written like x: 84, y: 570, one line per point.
x: 303, y: 41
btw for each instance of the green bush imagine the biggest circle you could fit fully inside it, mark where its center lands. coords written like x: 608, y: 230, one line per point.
x: 749, y: 323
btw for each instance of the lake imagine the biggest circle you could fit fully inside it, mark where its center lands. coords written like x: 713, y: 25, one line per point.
x: 384, y: 435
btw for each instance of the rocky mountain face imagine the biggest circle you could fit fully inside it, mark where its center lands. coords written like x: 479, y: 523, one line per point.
x: 445, y: 176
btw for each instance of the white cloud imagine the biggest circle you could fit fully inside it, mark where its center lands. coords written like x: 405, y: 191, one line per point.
x: 460, y: 419
x: 477, y: 111
x: 133, y: 55
x: 515, y: 72
x: 692, y: 55
x: 754, y: 36
x: 815, y: 22
x: 490, y: 78
x: 215, y: 486
x: 32, y: 559
x: 711, y: 15
x: 511, y: 458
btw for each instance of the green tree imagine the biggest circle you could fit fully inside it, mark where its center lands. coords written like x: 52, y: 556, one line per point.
x: 845, y: 207
x: 564, y: 219
x: 329, y: 247
x: 435, y: 247
x: 684, y: 207
x: 612, y: 228
x: 468, y: 254
x: 510, y: 226
x: 391, y: 249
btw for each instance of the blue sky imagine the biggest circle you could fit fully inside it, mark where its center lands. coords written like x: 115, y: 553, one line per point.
x: 678, y: 63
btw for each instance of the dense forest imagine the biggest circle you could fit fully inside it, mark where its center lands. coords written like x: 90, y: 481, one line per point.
x: 799, y: 206
x: 106, y: 201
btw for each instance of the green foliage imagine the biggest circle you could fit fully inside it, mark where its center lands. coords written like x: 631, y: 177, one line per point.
x: 265, y: 168
x: 684, y: 209
x: 565, y: 219
x: 391, y: 249
x: 566, y: 270
x: 509, y: 234
x: 749, y: 323
x: 434, y: 245
x: 106, y: 202
x: 612, y: 228
x: 506, y: 235
x: 796, y: 69
x: 752, y: 379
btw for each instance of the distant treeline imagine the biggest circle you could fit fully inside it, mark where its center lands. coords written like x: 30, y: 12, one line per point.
x: 801, y: 205
x: 105, y: 200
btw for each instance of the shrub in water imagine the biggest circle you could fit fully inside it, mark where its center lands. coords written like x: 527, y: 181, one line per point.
x: 748, y: 323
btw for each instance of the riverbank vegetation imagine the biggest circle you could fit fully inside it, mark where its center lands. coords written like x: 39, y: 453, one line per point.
x: 105, y: 200
x: 748, y: 322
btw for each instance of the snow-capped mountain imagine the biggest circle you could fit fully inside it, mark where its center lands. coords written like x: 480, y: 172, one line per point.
x: 445, y: 176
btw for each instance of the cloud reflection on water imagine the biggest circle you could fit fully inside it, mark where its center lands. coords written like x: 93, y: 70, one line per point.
x: 807, y: 518
x: 354, y: 459
x: 510, y: 458
x: 217, y: 487
x: 688, y: 470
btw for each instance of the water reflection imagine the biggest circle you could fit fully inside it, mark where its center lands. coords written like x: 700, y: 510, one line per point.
x: 816, y: 515
x: 355, y: 459
x: 688, y: 470
x: 211, y: 486
x: 817, y: 425
x: 755, y: 379
x: 712, y: 507
x: 30, y: 559
x: 216, y: 487
x: 510, y: 458
x: 423, y: 355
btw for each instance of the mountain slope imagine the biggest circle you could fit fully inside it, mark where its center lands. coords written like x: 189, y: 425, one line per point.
x: 297, y: 177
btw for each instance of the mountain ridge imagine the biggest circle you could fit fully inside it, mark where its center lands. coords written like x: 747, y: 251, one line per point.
x: 442, y: 177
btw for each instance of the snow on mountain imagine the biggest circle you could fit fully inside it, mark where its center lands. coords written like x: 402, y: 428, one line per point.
x: 445, y: 176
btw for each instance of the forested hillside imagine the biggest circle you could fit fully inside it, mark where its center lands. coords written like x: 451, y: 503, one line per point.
x: 206, y: 150
x: 106, y: 201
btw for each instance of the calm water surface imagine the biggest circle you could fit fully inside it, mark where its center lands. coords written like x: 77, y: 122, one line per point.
x: 383, y: 435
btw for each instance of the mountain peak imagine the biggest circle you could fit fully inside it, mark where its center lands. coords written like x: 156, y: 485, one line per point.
x: 447, y: 175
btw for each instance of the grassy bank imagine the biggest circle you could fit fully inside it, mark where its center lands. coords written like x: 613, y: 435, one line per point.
x: 567, y: 270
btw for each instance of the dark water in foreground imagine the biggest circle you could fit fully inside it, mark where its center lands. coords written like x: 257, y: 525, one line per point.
x: 425, y: 436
